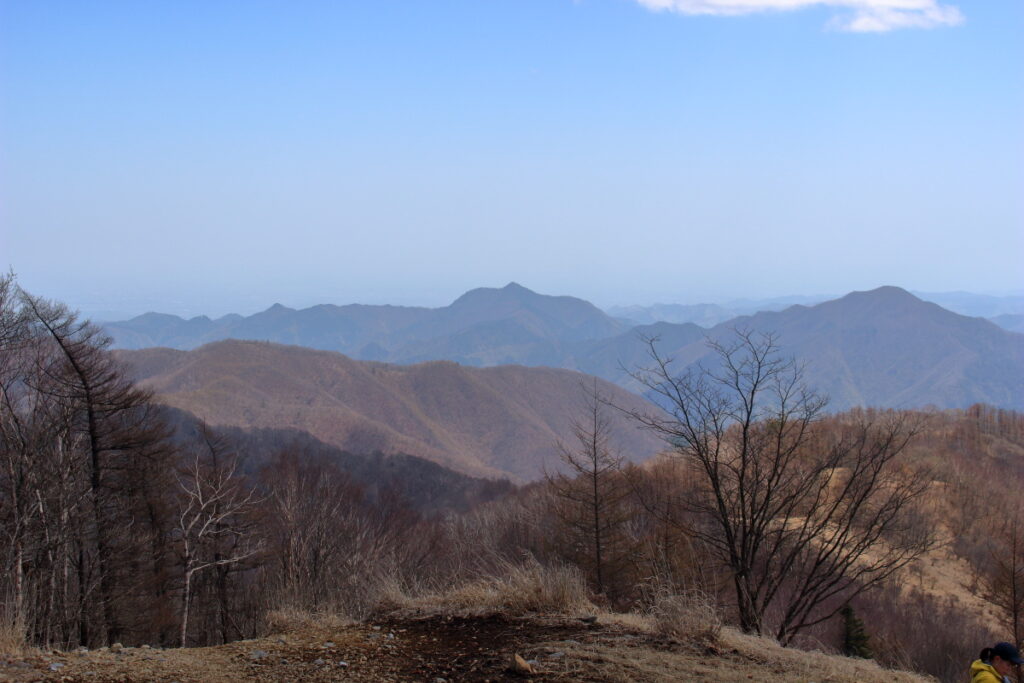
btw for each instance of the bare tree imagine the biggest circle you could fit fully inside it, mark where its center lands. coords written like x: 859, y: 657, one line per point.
x: 802, y: 517
x: 593, y: 487
x: 312, y: 528
x: 17, y: 442
x: 212, y: 523
x: 115, y: 428
x: 76, y: 437
x: 330, y: 548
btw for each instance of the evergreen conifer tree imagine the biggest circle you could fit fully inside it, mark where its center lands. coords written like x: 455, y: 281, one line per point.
x: 856, y: 641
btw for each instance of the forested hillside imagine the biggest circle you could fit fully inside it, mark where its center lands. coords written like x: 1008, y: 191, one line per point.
x: 499, y: 422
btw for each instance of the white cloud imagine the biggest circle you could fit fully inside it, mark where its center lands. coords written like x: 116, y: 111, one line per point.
x: 859, y: 16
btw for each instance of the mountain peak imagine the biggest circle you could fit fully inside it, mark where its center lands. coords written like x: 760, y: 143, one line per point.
x: 517, y: 288
x: 864, y: 306
x: 513, y: 291
x: 888, y: 296
x: 890, y: 292
x: 153, y: 317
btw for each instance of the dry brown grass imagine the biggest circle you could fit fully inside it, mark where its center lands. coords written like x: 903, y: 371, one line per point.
x: 13, y: 640
x: 737, y: 658
x: 288, y: 619
x: 516, y: 589
x: 666, y: 653
x: 690, y: 616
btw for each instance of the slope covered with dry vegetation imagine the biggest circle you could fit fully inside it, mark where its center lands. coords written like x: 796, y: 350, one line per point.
x: 498, y: 422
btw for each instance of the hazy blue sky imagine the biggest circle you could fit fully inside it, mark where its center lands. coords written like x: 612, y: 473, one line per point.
x: 213, y: 156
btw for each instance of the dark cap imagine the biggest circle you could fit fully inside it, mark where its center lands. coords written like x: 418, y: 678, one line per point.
x: 1008, y: 653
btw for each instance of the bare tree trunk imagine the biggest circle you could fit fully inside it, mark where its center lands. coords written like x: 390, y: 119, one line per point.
x: 598, y: 561
x: 213, y: 506
x: 223, y: 604
x: 83, y: 619
x: 186, y: 598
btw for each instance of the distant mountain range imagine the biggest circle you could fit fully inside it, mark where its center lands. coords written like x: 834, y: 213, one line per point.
x: 1010, y: 321
x: 884, y: 348
x: 501, y: 422
x: 482, y: 327
x: 706, y: 315
x: 1005, y: 311
x: 978, y: 305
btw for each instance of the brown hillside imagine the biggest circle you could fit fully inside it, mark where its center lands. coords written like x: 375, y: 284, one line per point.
x: 497, y: 422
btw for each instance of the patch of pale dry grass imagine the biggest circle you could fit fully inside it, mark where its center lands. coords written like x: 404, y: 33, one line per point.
x: 803, y: 665
x: 13, y: 640
x: 286, y: 620
x: 657, y: 655
x: 690, y: 616
x: 516, y: 589
x: 628, y: 620
x: 736, y: 658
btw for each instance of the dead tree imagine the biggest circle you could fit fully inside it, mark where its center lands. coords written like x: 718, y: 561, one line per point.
x: 802, y: 517
x: 213, y: 526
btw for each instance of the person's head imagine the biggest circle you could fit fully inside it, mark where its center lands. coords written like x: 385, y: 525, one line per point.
x: 1003, y: 657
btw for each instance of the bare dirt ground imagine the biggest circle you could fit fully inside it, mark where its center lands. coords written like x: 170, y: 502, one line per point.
x: 437, y: 648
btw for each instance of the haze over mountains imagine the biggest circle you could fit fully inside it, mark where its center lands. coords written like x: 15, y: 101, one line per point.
x: 1009, y: 321
x: 1006, y: 311
x: 501, y: 422
x: 706, y: 315
x: 978, y: 305
x: 482, y: 327
x: 883, y: 348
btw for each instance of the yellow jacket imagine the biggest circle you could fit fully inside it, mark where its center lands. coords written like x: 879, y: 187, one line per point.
x: 984, y: 673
